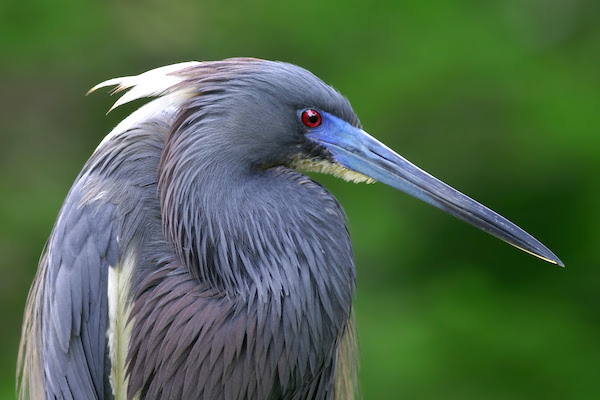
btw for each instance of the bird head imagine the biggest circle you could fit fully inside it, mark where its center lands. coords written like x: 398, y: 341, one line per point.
x: 284, y: 115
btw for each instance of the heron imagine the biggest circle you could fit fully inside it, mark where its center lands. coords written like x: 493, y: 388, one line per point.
x: 193, y: 259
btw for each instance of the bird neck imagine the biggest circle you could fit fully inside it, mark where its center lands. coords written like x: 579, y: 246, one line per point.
x: 249, y: 232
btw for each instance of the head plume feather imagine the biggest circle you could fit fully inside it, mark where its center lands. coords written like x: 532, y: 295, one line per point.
x: 172, y: 84
x: 159, y: 82
x: 155, y: 82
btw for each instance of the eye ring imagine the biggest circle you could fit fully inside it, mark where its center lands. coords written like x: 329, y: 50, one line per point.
x: 311, y: 118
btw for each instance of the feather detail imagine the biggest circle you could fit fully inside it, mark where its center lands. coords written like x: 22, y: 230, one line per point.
x: 152, y: 83
x: 119, y: 331
x: 331, y: 168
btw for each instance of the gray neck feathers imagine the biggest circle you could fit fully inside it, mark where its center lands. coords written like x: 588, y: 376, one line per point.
x: 243, y: 230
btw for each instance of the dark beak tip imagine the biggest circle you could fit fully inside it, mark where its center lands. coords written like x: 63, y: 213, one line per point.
x: 551, y: 258
x: 545, y: 254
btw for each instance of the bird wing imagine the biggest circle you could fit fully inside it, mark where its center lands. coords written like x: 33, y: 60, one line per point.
x: 64, y: 349
x: 65, y: 329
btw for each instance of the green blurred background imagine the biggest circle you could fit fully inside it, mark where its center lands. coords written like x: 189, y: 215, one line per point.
x: 497, y: 98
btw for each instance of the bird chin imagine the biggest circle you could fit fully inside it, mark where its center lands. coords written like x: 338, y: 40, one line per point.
x: 331, y: 168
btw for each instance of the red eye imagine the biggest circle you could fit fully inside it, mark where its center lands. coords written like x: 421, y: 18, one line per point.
x: 311, y: 118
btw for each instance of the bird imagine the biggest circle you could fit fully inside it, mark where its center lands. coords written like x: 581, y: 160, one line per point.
x: 193, y: 258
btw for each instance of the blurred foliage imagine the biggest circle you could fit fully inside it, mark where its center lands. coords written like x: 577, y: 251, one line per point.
x: 498, y: 98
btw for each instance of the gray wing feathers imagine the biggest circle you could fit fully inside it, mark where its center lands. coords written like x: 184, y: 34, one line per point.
x: 74, y: 296
x: 64, y: 349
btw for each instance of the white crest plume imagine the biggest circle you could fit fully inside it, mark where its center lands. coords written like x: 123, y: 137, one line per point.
x: 153, y: 83
x: 148, y: 84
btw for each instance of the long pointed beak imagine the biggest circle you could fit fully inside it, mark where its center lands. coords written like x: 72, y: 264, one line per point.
x: 356, y: 150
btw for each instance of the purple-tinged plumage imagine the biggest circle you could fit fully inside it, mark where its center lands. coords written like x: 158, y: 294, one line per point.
x: 190, y: 260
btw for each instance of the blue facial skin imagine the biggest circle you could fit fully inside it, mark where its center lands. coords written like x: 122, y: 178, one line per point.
x: 356, y: 150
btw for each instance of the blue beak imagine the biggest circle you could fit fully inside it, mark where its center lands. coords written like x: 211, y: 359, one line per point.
x: 356, y: 150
